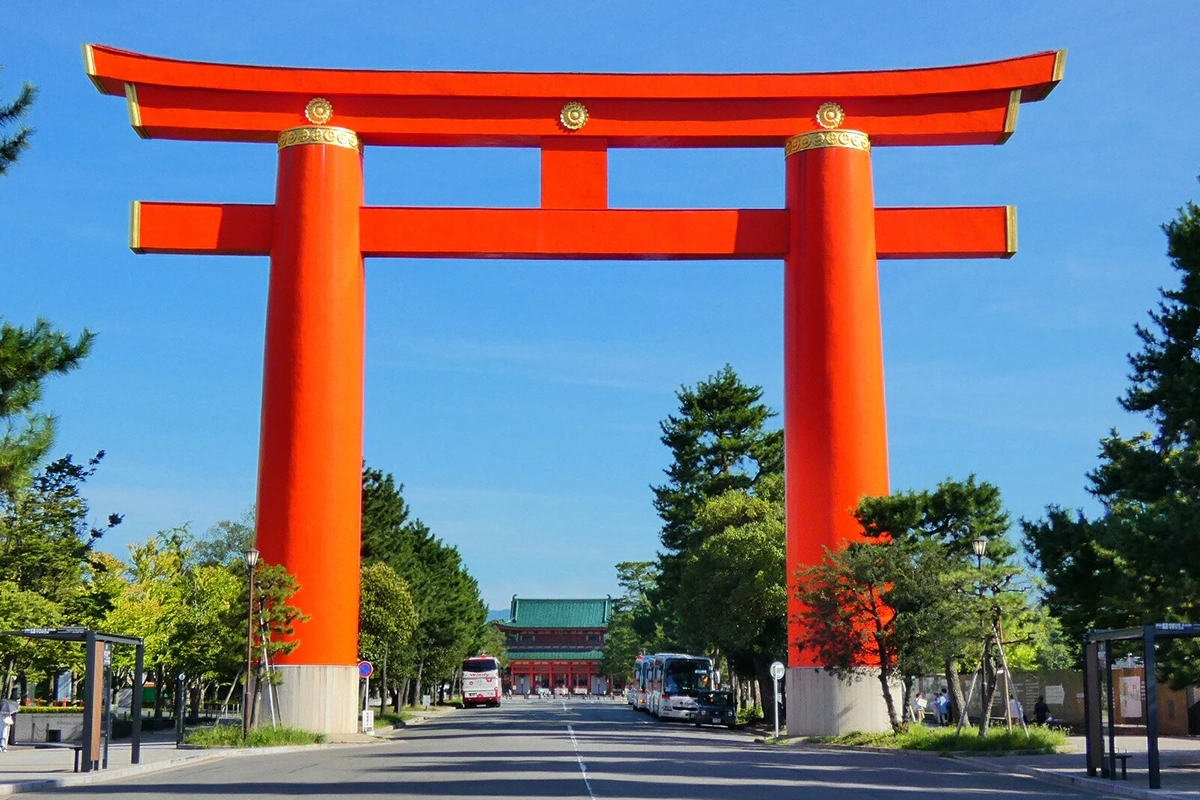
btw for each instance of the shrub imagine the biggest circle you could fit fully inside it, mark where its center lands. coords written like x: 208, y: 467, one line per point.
x: 749, y: 715
x: 231, y: 736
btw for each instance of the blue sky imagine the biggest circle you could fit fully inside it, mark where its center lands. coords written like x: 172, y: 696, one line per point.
x: 519, y: 402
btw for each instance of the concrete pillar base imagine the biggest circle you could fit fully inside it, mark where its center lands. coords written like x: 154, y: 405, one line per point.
x: 821, y: 704
x: 318, y: 698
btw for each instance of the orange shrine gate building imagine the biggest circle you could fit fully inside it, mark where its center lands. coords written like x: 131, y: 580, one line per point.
x: 557, y: 645
x: 320, y: 124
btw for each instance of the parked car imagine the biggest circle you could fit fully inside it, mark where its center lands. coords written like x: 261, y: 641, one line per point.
x: 716, y: 708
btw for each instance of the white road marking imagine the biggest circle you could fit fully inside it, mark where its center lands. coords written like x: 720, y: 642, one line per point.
x: 582, y: 766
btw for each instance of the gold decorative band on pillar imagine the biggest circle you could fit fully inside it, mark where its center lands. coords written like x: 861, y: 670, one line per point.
x: 320, y: 134
x: 814, y: 140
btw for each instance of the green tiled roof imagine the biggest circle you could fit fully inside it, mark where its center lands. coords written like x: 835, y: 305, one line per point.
x: 588, y: 613
x: 555, y: 655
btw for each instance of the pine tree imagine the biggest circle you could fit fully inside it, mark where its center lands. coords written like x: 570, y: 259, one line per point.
x: 1139, y: 562
x: 12, y: 145
x: 718, y: 444
x: 28, y: 356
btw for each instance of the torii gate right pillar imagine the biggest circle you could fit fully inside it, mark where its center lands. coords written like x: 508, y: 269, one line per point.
x: 834, y: 417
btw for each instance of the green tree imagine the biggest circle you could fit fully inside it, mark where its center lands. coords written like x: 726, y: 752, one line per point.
x: 28, y: 357
x: 193, y: 616
x: 46, y: 541
x: 387, y: 620
x: 1137, y: 562
x: 450, y: 610
x: 11, y: 144
x: 632, y: 628
x: 912, y: 598
x: 733, y: 595
x: 718, y: 444
x: 227, y: 540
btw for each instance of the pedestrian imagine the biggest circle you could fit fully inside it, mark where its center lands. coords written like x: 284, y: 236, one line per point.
x: 941, y: 705
x: 6, y: 723
x: 1015, y: 712
x: 1041, y: 711
x: 919, y: 705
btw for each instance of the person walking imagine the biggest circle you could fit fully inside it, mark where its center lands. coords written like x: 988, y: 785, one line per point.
x: 6, y: 723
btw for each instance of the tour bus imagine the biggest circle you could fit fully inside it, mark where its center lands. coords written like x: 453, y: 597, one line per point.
x: 481, y: 681
x: 636, y: 693
x: 676, y: 680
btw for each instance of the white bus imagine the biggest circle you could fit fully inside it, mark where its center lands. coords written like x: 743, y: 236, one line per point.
x: 637, y: 694
x: 481, y: 681
x: 676, y: 680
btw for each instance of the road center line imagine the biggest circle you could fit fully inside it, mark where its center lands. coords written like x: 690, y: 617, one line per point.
x: 582, y: 766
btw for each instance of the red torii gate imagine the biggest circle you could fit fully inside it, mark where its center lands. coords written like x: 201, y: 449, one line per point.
x: 317, y: 233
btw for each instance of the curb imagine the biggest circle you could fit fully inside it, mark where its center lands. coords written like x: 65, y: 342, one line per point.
x: 1101, y: 786
x: 117, y: 773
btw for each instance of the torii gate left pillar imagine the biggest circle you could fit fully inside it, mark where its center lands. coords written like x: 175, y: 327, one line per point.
x: 829, y: 236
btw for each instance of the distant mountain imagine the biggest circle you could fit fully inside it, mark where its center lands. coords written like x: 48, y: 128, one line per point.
x: 497, y: 613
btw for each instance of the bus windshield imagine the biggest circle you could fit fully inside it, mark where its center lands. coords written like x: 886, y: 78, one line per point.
x: 685, y: 676
x: 480, y: 665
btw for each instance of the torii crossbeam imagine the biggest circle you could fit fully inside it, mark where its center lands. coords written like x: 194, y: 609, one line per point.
x: 829, y: 235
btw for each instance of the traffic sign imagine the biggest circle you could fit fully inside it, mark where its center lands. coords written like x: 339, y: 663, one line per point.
x: 365, y: 670
x: 777, y: 670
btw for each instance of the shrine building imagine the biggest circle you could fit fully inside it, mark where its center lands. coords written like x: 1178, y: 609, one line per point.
x: 557, y: 645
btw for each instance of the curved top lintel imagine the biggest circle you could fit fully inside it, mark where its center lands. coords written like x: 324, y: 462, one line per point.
x: 1035, y: 75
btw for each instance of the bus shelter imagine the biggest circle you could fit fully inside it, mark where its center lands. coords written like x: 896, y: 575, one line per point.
x: 97, y: 677
x: 1098, y: 759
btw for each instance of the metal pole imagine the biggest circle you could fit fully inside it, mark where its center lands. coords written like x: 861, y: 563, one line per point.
x: 89, y: 694
x: 179, y: 709
x: 246, y: 698
x: 1151, y: 706
x: 107, y: 705
x: 1112, y: 713
x: 1093, y: 732
x: 776, y: 682
x: 139, y: 680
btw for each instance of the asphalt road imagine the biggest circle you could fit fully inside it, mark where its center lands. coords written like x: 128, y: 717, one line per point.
x: 573, y: 749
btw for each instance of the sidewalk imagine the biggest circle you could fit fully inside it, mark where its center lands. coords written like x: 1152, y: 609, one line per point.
x: 1179, y: 757
x: 25, y: 768
x: 30, y: 769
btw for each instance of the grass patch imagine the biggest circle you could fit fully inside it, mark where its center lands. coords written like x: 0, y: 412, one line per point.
x: 231, y: 736
x: 943, y: 740
x: 390, y: 719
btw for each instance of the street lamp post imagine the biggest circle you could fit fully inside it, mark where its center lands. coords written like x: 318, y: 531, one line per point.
x: 979, y: 547
x: 251, y: 557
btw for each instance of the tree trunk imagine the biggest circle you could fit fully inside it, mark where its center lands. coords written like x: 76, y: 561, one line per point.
x: 958, y: 702
x: 906, y: 713
x: 989, y: 685
x: 383, y: 686
x: 762, y: 675
x: 194, y: 695
x: 417, y: 694
x: 158, y: 692
x: 402, y: 695
x: 885, y: 682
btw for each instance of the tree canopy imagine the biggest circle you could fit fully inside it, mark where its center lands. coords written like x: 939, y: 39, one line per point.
x: 1139, y: 561
x: 11, y: 114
